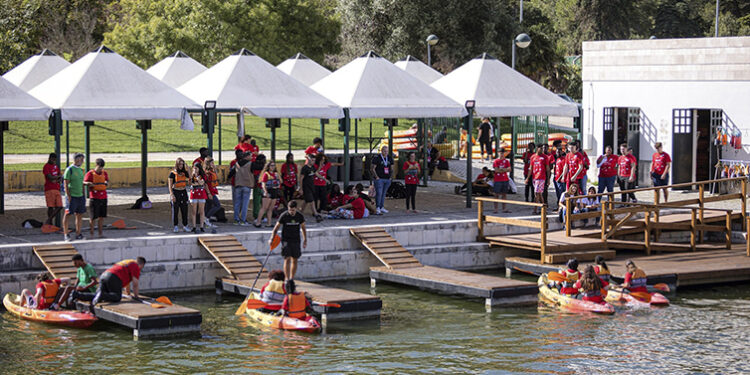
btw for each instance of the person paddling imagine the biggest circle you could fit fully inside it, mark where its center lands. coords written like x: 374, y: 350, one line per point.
x: 273, y: 292
x: 295, y: 303
x: 635, y: 278
x: 602, y: 269
x: 571, y: 275
x: 591, y: 286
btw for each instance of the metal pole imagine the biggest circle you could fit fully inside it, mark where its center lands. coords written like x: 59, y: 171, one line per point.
x: 390, y: 135
x: 211, y: 118
x: 3, y: 126
x: 67, y: 142
x: 273, y: 142
x: 513, y: 55
x: 220, y: 149
x: 467, y: 125
x: 346, y: 147
x: 429, y: 56
x: 290, y: 135
x: 356, y: 136
x: 716, y: 27
x: 520, y: 14
x: 423, y: 141
x: 513, y: 146
x: 87, y: 135
x: 323, y: 132
x: 144, y: 125
x: 56, y: 121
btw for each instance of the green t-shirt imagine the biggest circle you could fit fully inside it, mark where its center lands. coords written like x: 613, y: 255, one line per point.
x: 85, y: 274
x: 75, y: 176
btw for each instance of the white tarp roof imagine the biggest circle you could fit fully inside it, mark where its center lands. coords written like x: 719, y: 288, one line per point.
x: 244, y: 81
x: 371, y: 86
x: 419, y: 69
x: 176, y: 69
x: 105, y: 86
x: 500, y: 91
x: 17, y: 105
x: 36, y: 69
x: 304, y: 69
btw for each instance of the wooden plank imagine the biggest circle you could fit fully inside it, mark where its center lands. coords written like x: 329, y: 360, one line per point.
x: 381, y: 240
x: 249, y: 269
x: 384, y: 245
x: 242, y: 263
x: 511, y: 221
x: 720, y: 198
x: 54, y: 247
x: 48, y: 253
x: 217, y: 238
x: 367, y: 230
x: 585, y: 256
x: 232, y: 254
x: 221, y: 243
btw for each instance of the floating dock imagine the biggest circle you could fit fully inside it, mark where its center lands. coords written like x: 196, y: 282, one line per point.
x: 401, y: 267
x: 144, y: 320
x: 244, y: 267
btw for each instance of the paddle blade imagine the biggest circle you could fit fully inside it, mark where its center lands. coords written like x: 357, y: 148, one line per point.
x: 157, y: 306
x: 276, y: 241
x: 556, y: 276
x: 49, y: 228
x: 255, y: 304
x: 119, y: 224
x: 642, y: 296
x: 336, y: 305
x: 241, y: 309
x: 662, y: 287
x: 165, y: 300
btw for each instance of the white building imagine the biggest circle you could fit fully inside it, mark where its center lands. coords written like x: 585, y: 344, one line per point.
x: 676, y: 91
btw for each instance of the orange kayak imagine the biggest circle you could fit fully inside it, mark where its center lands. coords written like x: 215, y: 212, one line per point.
x: 627, y: 299
x: 69, y: 318
x: 571, y: 304
x: 308, y: 324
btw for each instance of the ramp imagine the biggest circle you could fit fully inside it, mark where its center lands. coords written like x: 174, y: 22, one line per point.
x: 232, y: 256
x: 57, y: 259
x: 385, y: 248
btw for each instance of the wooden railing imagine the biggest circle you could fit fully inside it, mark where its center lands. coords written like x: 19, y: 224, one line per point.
x: 747, y: 236
x: 482, y: 218
x: 700, y: 201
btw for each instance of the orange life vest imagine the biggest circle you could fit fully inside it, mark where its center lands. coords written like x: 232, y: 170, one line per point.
x: 212, y: 180
x: 100, y: 181
x: 297, y: 305
x: 180, y: 181
x: 50, y: 292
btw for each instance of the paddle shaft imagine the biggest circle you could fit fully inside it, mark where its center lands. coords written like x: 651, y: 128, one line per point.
x: 263, y: 265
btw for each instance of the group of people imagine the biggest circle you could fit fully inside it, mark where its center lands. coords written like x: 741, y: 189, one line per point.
x: 592, y: 284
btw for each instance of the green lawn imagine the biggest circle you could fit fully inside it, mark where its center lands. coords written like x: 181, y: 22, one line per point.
x: 166, y: 136
x: 121, y: 164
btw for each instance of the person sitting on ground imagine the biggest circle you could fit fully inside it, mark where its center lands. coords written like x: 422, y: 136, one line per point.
x: 203, y: 152
x: 366, y: 197
x: 295, y: 304
x: 602, y: 269
x: 574, y: 204
x: 114, y: 279
x: 482, y: 185
x: 590, y: 203
x: 316, y: 148
x: 46, y: 292
x: 273, y: 292
x: 591, y: 286
x: 97, y: 180
x: 571, y: 275
x: 635, y: 278
x: 335, y: 197
x: 355, y: 209
x: 52, y: 193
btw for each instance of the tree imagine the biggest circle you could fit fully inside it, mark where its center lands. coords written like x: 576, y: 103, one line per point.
x: 19, y: 31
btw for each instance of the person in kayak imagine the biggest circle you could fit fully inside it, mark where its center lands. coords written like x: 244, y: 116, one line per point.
x: 571, y: 275
x: 602, y: 269
x: 295, y: 304
x: 635, y: 278
x: 591, y: 286
x: 46, y: 292
x: 114, y: 279
x: 273, y: 292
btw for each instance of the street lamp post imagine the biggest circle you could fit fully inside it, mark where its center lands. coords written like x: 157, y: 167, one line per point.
x: 522, y: 41
x: 431, y: 41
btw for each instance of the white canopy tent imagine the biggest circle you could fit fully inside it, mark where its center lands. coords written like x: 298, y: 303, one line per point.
x: 500, y: 91
x: 371, y: 86
x: 303, y: 69
x: 17, y: 105
x: 36, y: 69
x: 246, y: 82
x: 417, y: 68
x: 176, y: 69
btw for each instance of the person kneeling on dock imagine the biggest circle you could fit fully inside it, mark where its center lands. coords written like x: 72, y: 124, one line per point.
x: 274, y: 292
x: 591, y: 286
x: 114, y: 279
x: 295, y: 304
x: 571, y: 275
x: 635, y: 278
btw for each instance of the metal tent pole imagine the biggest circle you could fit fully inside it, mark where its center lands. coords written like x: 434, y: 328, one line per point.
x: 67, y: 142
x: 144, y: 125
x: 467, y: 125
x: 55, y: 123
x: 290, y: 136
x: 87, y: 142
x: 220, y: 149
x: 3, y: 128
x: 346, y: 147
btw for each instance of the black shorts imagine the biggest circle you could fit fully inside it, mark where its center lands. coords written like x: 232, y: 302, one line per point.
x: 273, y: 194
x: 291, y: 249
x: 308, y: 194
x: 98, y: 208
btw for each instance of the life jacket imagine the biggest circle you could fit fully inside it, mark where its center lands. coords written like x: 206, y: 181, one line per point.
x: 273, y: 293
x: 50, y: 292
x: 100, y: 181
x: 638, y: 279
x: 273, y: 181
x: 212, y: 180
x: 125, y: 262
x: 571, y: 278
x: 297, y: 305
x: 603, y: 273
x: 180, y: 181
x: 592, y: 294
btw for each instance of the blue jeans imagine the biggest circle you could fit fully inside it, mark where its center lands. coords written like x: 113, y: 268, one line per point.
x: 240, y: 204
x: 608, y: 183
x: 235, y: 199
x: 584, y: 180
x: 559, y: 189
x: 381, y: 187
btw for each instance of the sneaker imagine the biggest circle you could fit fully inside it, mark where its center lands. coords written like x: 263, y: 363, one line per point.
x: 176, y: 228
x: 256, y: 225
x: 264, y: 220
x: 208, y: 223
x: 377, y: 212
x: 237, y: 222
x: 318, y: 218
x: 383, y: 210
x: 79, y: 237
x: 195, y: 230
x: 185, y: 229
x: 203, y: 230
x: 244, y: 223
x: 66, y: 238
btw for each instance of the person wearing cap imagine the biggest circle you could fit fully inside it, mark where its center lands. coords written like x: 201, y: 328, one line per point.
x: 76, y: 202
x: 52, y: 187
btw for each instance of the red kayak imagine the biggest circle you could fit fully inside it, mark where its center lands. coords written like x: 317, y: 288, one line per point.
x: 636, y: 301
x: 69, y: 318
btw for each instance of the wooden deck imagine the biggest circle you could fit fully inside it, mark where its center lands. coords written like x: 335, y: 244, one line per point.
x: 401, y: 267
x: 559, y: 247
x: 144, y: 320
x: 244, y: 267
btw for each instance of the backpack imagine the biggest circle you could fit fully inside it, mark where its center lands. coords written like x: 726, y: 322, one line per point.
x: 443, y: 164
x: 396, y: 191
x: 141, y: 203
x: 31, y: 223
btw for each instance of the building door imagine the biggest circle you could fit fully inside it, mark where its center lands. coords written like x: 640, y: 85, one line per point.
x: 703, y: 144
x: 633, y: 133
x: 609, y: 128
x: 682, y: 146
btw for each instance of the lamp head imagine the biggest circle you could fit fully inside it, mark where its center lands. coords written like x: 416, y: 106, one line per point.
x: 432, y: 39
x: 522, y: 40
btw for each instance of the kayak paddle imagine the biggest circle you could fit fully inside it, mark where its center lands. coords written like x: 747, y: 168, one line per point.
x: 556, y: 276
x: 257, y: 304
x: 274, y: 243
x: 662, y: 287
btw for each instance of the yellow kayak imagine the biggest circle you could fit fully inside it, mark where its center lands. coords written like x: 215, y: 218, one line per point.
x: 308, y: 324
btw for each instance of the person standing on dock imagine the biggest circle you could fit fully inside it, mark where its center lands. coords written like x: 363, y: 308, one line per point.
x: 381, y: 168
x: 411, y: 178
x: 660, y: 163
x: 114, y: 279
x: 178, y: 197
x: 73, y: 178
x: 538, y: 171
x: 501, y: 185
x: 626, y: 166
x: 528, y: 191
x: 97, y: 179
x: 607, y: 165
x: 291, y: 223
x: 52, y: 187
x: 574, y: 169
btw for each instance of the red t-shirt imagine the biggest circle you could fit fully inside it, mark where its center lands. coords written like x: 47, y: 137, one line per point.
x: 245, y: 147
x: 526, y: 157
x: 626, y: 163
x: 609, y: 166
x: 126, y: 270
x: 358, y: 207
x: 481, y: 178
x: 629, y: 279
x: 659, y: 162
x: 42, y: 304
x: 539, y: 167
x: 559, y: 166
x: 92, y: 176
x: 501, y: 163
x: 574, y: 162
x: 550, y: 158
x: 54, y: 170
x: 198, y: 160
x: 311, y: 150
x: 413, y: 178
x: 323, y: 171
x: 289, y: 174
x: 586, y: 161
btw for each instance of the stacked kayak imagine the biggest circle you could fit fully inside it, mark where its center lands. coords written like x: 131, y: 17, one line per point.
x: 636, y: 300
x: 568, y: 303
x: 69, y: 318
x: 308, y: 324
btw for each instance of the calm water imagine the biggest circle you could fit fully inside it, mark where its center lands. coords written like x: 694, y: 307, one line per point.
x: 704, y: 331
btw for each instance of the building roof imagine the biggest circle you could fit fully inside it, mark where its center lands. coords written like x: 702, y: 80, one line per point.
x: 17, y: 105
x: 371, y: 86
x: 103, y: 85
x: 36, y: 69
x: 244, y: 81
x: 176, y: 69
x: 419, y: 69
x: 304, y: 69
x: 500, y: 91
